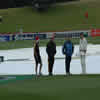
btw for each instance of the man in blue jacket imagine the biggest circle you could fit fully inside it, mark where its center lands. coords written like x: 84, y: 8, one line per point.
x: 68, y: 49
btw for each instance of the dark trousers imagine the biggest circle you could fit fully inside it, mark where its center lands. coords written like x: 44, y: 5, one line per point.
x: 50, y: 65
x: 67, y: 63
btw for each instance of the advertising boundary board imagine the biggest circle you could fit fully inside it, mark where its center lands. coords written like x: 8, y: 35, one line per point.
x: 28, y: 36
x: 5, y: 37
x: 42, y: 35
x: 95, y: 32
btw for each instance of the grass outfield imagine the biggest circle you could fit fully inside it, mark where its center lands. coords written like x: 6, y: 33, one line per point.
x: 52, y: 88
x: 67, y: 17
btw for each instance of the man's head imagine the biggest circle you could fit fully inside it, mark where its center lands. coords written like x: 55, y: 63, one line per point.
x: 69, y: 37
x: 81, y: 35
x: 52, y: 38
x: 37, y: 39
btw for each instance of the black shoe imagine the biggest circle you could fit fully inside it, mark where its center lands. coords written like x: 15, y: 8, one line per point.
x: 40, y: 74
x: 68, y: 74
x: 50, y: 74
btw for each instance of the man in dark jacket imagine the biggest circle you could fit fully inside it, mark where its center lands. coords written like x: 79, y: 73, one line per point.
x: 51, y: 51
x: 68, y: 50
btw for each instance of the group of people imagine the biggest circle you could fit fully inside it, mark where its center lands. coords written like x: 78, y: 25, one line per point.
x: 67, y: 50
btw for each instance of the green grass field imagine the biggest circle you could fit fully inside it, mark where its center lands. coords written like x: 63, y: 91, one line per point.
x: 52, y: 88
x: 68, y: 17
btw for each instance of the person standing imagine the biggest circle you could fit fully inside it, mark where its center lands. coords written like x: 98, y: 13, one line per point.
x: 67, y: 50
x: 37, y: 56
x: 51, y: 51
x: 83, y: 50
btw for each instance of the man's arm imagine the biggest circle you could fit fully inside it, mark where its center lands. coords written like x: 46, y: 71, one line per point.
x: 80, y: 45
x: 47, y: 49
x: 55, y: 49
x: 85, y: 42
x: 35, y: 50
x: 72, y: 48
x: 63, y: 49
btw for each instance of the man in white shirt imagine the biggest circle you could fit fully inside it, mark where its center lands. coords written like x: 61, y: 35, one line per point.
x: 83, y: 50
